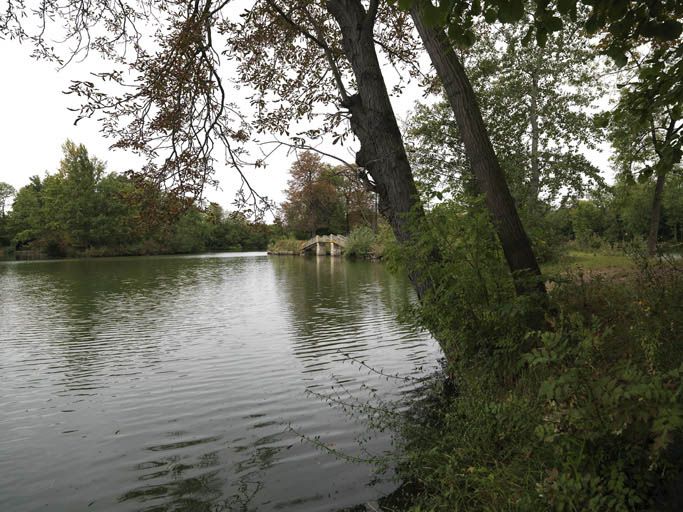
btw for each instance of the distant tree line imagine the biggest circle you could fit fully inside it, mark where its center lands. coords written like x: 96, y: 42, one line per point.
x: 621, y: 214
x: 83, y: 210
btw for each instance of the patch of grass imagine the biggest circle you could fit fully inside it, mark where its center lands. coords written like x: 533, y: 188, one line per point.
x: 593, y: 261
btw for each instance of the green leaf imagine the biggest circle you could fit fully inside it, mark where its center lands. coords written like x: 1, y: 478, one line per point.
x: 566, y: 6
x: 541, y: 36
x: 601, y: 120
x: 431, y: 14
x: 645, y: 174
x: 468, y: 39
x: 617, y: 10
x: 668, y: 30
x: 475, y: 9
x: 490, y: 15
x: 676, y: 112
x: 647, y: 29
x: 619, y: 28
x: 511, y: 11
x: 618, y: 56
x: 592, y: 25
x: 553, y: 24
x: 406, y: 5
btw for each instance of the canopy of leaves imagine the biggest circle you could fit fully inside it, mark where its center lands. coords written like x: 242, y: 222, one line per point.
x: 621, y: 26
x: 646, y: 127
x: 322, y: 199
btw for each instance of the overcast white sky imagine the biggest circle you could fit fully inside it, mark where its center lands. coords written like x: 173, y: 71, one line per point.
x: 36, y: 122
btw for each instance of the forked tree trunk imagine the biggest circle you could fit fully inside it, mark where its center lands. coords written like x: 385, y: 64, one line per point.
x: 382, y: 152
x: 655, y: 214
x: 485, y: 166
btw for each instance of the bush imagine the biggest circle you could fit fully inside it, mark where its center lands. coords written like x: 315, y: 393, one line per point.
x: 360, y: 243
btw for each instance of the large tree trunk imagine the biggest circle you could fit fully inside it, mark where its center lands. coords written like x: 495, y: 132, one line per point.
x: 655, y: 214
x: 485, y: 166
x: 382, y: 152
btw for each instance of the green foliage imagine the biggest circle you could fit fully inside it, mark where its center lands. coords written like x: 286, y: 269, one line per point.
x: 580, y: 413
x: 82, y: 210
x: 534, y: 102
x: 617, y: 217
x: 620, y: 25
x: 6, y: 192
x: 360, y: 242
x: 285, y: 246
x: 549, y: 231
x: 322, y: 199
x: 470, y: 281
x: 234, y: 232
x: 589, y: 223
x: 27, y: 220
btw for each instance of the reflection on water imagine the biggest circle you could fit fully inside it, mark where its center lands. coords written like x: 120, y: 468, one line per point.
x: 169, y: 383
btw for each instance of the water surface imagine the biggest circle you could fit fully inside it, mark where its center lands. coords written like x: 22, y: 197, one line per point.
x: 186, y: 383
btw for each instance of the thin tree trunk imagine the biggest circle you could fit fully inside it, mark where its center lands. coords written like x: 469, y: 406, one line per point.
x: 655, y: 214
x: 382, y: 152
x: 535, y: 178
x: 485, y: 166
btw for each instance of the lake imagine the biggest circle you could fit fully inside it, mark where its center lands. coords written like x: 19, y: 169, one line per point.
x: 198, y: 383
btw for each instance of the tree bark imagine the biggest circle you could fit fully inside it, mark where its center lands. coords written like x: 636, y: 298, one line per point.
x: 382, y: 152
x: 485, y: 166
x: 655, y: 214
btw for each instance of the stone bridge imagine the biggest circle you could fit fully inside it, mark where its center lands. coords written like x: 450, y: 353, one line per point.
x: 319, y: 244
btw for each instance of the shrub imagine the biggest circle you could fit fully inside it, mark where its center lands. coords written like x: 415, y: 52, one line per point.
x: 360, y: 243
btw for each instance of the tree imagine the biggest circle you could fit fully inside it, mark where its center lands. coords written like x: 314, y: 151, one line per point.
x: 620, y: 27
x: 533, y: 100
x: 27, y: 220
x: 306, y: 53
x: 7, y: 191
x: 646, y: 128
x: 325, y: 199
x: 71, y: 196
x: 331, y: 49
x: 482, y: 157
x: 115, y: 217
x: 359, y: 208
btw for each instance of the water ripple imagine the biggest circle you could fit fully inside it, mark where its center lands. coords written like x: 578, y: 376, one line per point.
x: 182, y: 383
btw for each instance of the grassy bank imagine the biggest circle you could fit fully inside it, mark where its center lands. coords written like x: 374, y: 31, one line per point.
x: 592, y: 261
x: 286, y: 246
